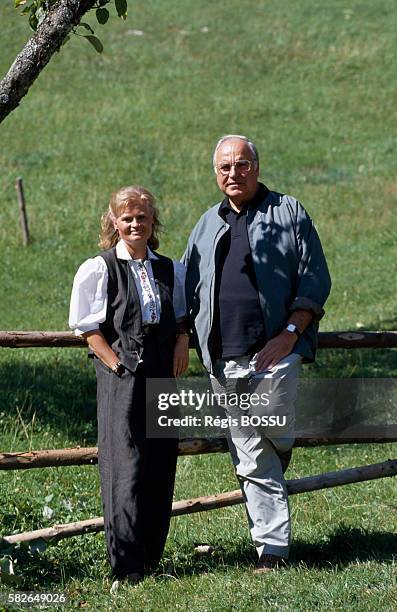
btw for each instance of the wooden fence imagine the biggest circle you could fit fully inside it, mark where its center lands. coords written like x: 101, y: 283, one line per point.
x: 189, y: 446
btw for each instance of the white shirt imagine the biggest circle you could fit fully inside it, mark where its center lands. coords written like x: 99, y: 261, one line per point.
x: 89, y: 299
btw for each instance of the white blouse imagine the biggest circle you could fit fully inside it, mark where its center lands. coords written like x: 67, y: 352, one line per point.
x: 88, y: 302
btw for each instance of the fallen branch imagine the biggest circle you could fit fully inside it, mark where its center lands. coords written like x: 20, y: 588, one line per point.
x: 327, y: 340
x: 187, y: 446
x: 221, y: 500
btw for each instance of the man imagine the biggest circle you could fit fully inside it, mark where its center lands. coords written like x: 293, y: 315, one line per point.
x: 256, y: 283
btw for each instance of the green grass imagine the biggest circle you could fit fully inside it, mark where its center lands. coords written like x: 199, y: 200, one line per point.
x: 313, y: 84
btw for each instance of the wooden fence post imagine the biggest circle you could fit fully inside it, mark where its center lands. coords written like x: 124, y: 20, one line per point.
x: 22, y: 211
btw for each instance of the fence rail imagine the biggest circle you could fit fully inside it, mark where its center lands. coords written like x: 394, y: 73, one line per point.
x: 326, y: 340
x: 25, y: 460
x: 220, y: 500
x: 190, y: 446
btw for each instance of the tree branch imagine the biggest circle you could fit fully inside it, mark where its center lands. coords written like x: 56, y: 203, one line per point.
x: 58, y: 23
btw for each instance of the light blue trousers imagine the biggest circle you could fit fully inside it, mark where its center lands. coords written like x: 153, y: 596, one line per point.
x: 254, y: 448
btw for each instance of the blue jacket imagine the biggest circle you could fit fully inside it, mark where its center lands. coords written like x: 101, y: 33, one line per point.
x: 289, y: 264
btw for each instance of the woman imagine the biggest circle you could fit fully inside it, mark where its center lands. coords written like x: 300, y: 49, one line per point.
x: 128, y: 302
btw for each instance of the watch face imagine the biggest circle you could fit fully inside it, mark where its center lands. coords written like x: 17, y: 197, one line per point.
x: 292, y: 328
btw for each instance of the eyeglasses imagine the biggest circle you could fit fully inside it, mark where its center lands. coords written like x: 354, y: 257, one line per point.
x: 242, y: 166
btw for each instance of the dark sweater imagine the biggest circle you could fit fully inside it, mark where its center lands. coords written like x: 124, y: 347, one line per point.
x: 238, y: 327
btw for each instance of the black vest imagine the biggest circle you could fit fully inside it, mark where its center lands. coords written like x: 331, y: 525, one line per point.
x: 123, y: 325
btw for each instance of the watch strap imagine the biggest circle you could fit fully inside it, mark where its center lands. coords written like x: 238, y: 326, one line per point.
x: 292, y: 329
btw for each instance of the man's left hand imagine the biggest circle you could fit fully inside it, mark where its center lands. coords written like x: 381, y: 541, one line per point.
x: 276, y: 349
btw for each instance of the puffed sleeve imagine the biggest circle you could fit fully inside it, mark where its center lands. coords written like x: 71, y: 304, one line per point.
x: 88, y: 302
x: 179, y: 300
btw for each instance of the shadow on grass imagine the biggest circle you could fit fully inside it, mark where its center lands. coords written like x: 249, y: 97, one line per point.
x: 56, y: 566
x: 353, y: 363
x: 344, y: 546
x: 56, y: 393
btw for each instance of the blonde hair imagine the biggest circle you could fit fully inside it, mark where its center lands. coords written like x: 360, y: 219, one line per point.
x: 133, y: 194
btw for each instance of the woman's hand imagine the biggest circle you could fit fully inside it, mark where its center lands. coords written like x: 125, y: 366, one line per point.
x: 181, y: 355
x: 99, y: 346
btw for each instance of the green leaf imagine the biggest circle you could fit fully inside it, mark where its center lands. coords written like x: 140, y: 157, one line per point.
x: 102, y: 15
x: 33, y: 21
x: 103, y: 2
x: 87, y: 27
x: 95, y: 42
x: 121, y: 8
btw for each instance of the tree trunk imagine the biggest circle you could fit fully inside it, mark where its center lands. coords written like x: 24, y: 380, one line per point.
x: 39, y: 49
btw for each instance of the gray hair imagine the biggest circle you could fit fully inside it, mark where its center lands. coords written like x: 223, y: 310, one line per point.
x: 249, y: 143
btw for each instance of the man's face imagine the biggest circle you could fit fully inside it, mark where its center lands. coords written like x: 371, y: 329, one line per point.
x: 239, y: 186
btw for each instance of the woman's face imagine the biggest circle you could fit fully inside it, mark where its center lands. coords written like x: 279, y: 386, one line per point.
x: 135, y: 225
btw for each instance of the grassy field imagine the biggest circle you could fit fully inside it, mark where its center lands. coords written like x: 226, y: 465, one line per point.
x: 313, y: 84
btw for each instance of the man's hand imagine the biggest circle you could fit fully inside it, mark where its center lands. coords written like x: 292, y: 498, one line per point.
x: 276, y: 349
x: 181, y: 355
x: 282, y: 345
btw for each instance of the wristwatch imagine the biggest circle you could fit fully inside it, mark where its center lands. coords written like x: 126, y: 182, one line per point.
x: 292, y: 329
x: 118, y: 369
